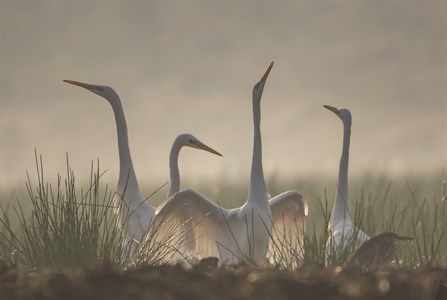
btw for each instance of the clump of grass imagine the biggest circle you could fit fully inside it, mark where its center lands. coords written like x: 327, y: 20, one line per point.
x: 66, y: 228
x: 406, y: 212
x: 430, y: 231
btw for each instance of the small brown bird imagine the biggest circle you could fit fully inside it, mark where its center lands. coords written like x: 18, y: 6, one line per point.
x: 376, y: 252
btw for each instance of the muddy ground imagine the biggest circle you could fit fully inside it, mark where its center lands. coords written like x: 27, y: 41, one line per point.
x: 208, y: 282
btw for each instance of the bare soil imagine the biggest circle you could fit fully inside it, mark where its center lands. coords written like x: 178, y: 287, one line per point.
x: 206, y: 281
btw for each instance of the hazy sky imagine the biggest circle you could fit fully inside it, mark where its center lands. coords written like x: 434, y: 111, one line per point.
x: 190, y: 68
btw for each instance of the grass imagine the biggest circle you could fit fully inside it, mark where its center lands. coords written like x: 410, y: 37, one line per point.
x: 62, y: 225
x: 65, y: 227
x: 409, y: 207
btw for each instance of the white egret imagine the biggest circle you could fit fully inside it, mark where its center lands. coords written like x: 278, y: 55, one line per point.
x: 134, y: 213
x: 231, y: 235
x: 182, y: 140
x: 341, y: 229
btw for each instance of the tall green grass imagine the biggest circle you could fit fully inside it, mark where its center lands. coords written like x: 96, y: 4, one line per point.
x: 63, y: 225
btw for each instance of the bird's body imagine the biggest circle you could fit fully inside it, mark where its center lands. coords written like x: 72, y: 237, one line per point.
x: 342, y: 231
x: 133, y: 212
x: 376, y: 252
x: 232, y: 235
x: 183, y: 140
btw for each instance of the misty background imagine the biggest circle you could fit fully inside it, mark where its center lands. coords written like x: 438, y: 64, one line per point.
x: 190, y: 68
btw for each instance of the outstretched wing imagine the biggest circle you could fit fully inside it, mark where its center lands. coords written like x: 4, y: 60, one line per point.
x: 289, y: 211
x: 199, y: 224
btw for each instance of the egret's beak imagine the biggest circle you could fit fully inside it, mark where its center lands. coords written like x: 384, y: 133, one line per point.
x: 81, y: 84
x: 331, y: 108
x: 90, y: 87
x: 404, y: 238
x: 266, y: 74
x: 209, y: 149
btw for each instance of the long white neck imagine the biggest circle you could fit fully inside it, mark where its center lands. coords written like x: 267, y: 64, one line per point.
x: 257, y: 191
x: 127, y: 182
x: 173, y: 168
x: 340, y: 212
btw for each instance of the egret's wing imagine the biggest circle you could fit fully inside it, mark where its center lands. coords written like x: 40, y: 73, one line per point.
x: 289, y: 211
x: 203, y: 224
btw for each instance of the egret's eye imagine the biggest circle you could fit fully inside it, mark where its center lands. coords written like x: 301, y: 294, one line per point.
x: 191, y: 141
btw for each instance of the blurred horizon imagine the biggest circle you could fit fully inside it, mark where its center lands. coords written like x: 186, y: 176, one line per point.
x: 190, y: 68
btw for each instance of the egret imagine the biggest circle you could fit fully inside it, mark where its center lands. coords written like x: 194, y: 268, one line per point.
x: 376, y: 252
x: 133, y: 212
x: 183, y: 140
x: 232, y: 235
x: 341, y: 230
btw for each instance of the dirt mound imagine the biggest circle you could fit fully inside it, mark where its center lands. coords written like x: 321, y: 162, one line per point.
x: 208, y: 282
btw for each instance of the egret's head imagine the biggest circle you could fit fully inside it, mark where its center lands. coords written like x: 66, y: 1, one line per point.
x: 104, y: 91
x: 189, y: 140
x: 259, y: 87
x: 343, y: 113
